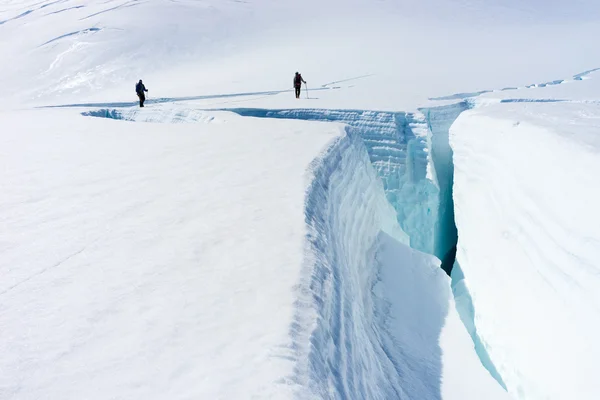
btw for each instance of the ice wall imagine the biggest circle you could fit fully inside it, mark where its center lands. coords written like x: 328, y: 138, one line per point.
x: 346, y: 211
x: 376, y: 319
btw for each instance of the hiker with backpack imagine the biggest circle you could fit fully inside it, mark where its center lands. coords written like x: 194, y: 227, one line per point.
x: 140, y: 89
x: 298, y: 83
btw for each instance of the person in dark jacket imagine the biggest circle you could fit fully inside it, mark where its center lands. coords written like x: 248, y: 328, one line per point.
x: 298, y: 84
x: 140, y: 89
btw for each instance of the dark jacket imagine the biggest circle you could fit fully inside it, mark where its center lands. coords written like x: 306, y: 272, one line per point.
x: 298, y: 80
x: 140, y: 88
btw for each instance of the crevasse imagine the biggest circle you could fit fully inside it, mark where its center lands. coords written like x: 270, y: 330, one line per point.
x: 354, y: 332
x: 412, y: 156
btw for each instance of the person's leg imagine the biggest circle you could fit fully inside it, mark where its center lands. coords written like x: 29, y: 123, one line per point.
x: 142, y: 99
x: 297, y: 92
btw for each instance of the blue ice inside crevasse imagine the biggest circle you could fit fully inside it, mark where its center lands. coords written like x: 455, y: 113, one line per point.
x: 440, y: 119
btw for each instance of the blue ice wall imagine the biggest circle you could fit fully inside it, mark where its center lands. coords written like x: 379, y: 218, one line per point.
x: 364, y: 290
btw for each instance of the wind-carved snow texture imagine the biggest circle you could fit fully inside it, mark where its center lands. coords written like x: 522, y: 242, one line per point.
x: 81, y: 32
x: 17, y: 17
x: 65, y: 9
x: 131, y: 3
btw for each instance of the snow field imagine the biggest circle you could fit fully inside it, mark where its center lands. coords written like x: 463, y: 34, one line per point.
x: 138, y: 260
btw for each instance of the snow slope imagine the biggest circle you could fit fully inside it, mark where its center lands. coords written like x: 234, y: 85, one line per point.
x: 526, y: 196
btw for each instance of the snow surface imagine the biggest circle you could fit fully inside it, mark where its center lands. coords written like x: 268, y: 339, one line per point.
x: 139, y: 263
x: 183, y: 251
x: 526, y: 194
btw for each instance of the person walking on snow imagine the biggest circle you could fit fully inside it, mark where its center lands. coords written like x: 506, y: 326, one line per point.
x: 140, y: 89
x: 298, y: 83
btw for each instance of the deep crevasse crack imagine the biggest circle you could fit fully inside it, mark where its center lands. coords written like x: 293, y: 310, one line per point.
x: 412, y: 156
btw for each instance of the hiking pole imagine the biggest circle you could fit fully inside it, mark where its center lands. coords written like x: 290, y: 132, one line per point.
x: 306, y: 87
